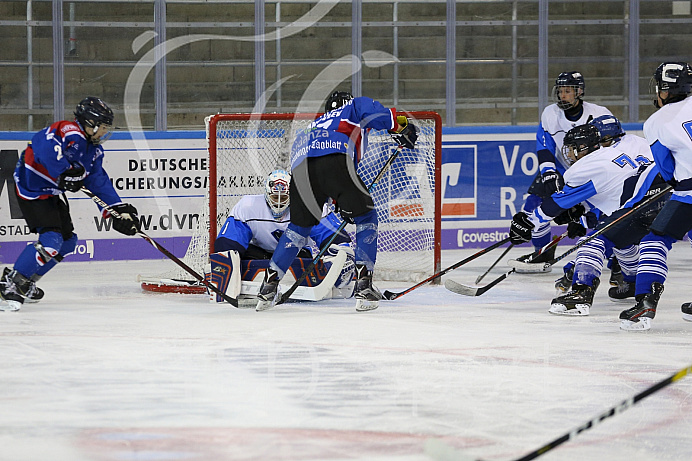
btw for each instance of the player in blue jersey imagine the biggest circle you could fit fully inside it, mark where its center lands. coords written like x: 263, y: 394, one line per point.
x: 608, y: 180
x: 557, y: 119
x: 61, y: 158
x: 669, y: 131
x: 251, y: 233
x: 324, y: 158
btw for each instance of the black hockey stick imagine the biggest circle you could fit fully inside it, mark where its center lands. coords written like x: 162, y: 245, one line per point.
x: 392, y: 296
x: 480, y: 277
x: 433, y: 446
x: 311, y: 266
x: 461, y: 289
x: 457, y: 287
x: 171, y: 256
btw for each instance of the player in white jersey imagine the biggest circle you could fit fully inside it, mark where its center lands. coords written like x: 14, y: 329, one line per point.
x: 557, y: 119
x: 607, y: 180
x: 669, y: 131
x: 249, y: 236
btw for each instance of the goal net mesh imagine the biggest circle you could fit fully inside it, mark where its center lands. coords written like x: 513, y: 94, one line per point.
x: 245, y: 148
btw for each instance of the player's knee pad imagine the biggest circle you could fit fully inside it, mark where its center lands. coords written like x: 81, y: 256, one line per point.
x: 297, y: 235
x: 224, y: 273
x: 654, y: 237
x: 47, y: 246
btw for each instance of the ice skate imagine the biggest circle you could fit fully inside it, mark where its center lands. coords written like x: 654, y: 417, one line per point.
x: 622, y: 293
x: 33, y: 295
x: 13, y: 289
x: 578, y: 301
x: 269, y: 291
x: 638, y: 318
x: 616, y: 277
x: 367, y: 296
x: 686, y: 311
x: 537, y: 265
x: 564, y: 283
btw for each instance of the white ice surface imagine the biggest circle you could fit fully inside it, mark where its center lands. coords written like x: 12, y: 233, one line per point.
x: 102, y: 371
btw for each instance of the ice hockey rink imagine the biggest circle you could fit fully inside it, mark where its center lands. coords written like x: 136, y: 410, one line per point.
x: 101, y: 371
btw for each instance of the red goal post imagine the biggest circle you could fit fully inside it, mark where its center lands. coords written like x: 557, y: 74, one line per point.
x: 245, y: 148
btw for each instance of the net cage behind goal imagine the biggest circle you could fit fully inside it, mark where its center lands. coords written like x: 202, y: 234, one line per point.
x: 245, y: 148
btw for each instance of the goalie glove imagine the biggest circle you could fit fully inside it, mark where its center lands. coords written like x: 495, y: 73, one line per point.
x: 127, y: 222
x: 72, y: 179
x: 520, y: 228
x: 407, y: 136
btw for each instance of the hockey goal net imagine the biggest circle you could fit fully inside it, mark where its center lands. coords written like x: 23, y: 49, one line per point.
x: 245, y: 148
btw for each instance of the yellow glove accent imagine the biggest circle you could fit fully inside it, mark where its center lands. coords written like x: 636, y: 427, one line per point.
x: 402, y: 121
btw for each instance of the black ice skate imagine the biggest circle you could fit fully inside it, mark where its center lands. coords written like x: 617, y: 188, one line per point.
x: 269, y: 291
x: 577, y: 302
x: 367, y: 296
x: 686, y: 311
x: 523, y: 266
x: 622, y: 293
x: 564, y: 283
x: 638, y: 318
x: 616, y: 277
x: 13, y: 289
x: 34, y: 294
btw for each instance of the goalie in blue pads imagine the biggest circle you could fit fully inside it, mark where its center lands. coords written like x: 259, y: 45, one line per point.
x: 250, y: 235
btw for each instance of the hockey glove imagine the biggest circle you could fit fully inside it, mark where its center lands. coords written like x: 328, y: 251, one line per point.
x: 571, y: 215
x: 575, y: 229
x: 552, y: 182
x: 407, y: 136
x: 520, y: 229
x: 72, y: 179
x: 127, y: 223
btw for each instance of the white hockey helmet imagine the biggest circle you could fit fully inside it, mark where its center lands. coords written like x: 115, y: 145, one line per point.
x: 276, y: 192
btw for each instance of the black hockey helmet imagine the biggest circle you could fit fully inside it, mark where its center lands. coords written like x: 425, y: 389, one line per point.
x: 336, y: 100
x: 574, y: 80
x: 675, y: 78
x: 93, y: 112
x: 609, y: 128
x: 579, y: 142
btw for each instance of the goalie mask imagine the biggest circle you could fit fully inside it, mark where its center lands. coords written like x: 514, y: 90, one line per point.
x: 675, y: 78
x: 579, y: 142
x: 276, y: 192
x: 609, y: 129
x: 92, y: 112
x: 568, y: 89
x: 336, y: 100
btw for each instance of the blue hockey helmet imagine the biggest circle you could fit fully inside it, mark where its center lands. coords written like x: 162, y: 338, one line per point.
x: 579, y: 142
x: 574, y: 80
x: 336, y: 100
x: 276, y: 192
x: 675, y: 78
x: 609, y: 128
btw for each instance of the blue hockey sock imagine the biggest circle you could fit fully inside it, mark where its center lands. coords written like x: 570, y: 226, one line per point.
x: 366, y: 239
x: 287, y: 249
x: 35, y: 256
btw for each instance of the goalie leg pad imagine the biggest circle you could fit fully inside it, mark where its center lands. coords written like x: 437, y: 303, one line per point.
x: 225, y: 274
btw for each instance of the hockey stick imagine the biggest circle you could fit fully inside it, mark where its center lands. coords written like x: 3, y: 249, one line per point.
x: 624, y: 405
x: 435, y: 447
x: 311, y: 266
x: 171, y: 256
x: 392, y: 296
x: 480, y: 277
x: 461, y: 289
x: 457, y: 287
